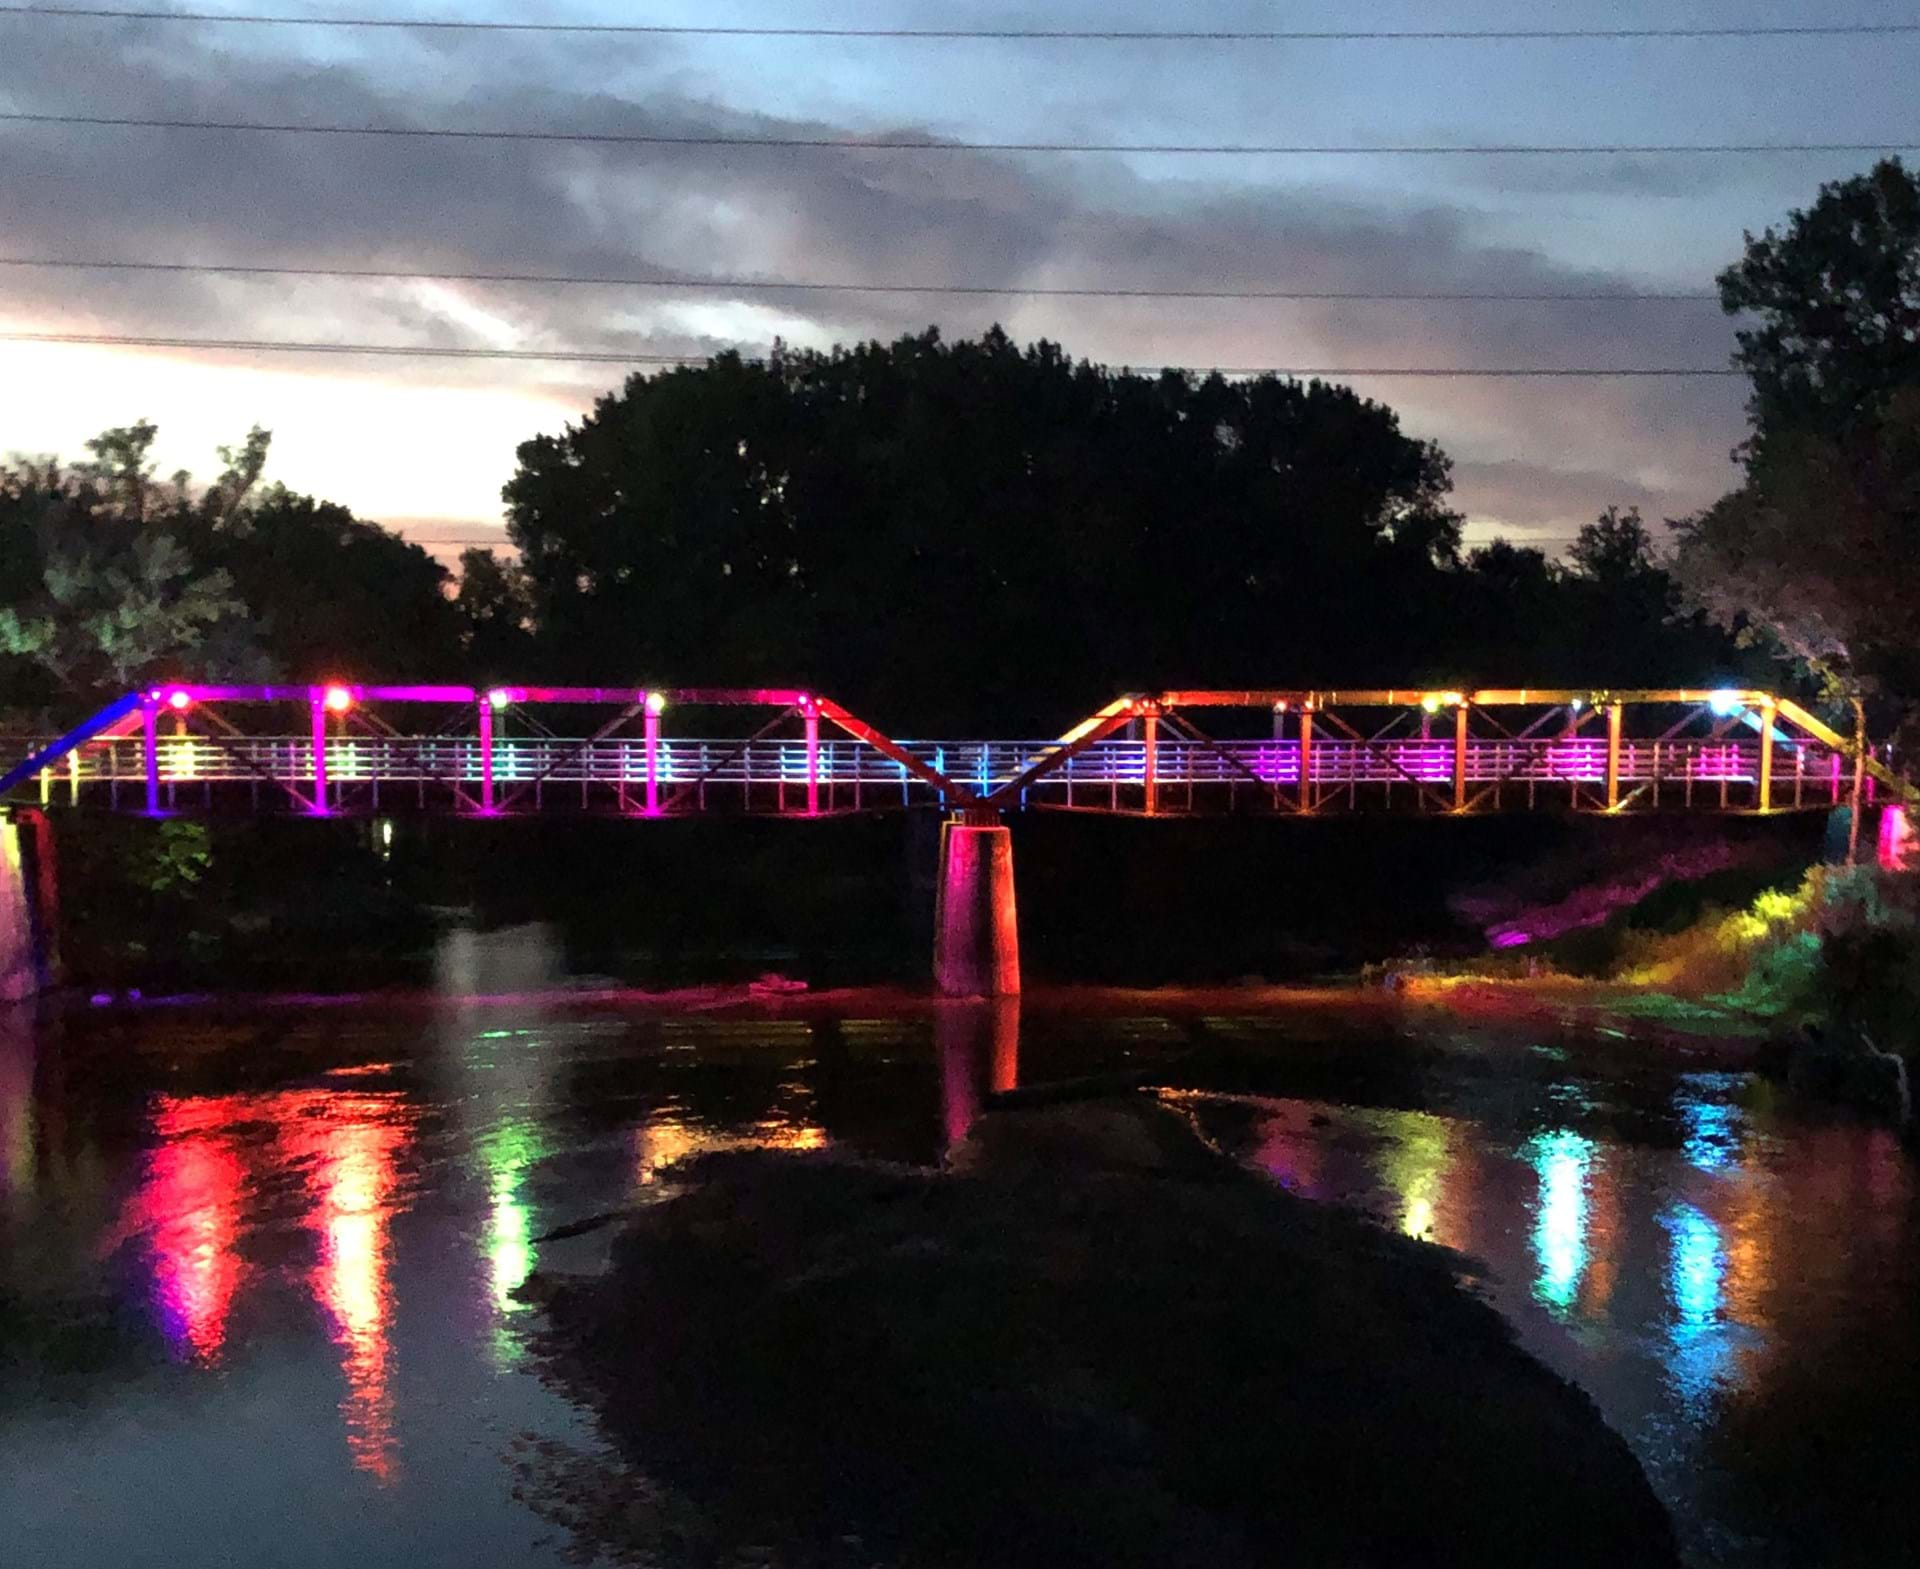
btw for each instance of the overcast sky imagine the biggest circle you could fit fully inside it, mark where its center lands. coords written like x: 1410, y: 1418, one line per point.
x: 426, y: 444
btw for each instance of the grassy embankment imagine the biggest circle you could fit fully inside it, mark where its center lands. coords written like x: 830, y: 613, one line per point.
x: 1740, y: 952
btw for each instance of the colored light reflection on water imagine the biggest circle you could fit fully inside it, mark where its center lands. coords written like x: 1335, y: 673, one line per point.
x: 1562, y: 1160
x: 193, y: 1187
x: 1712, y: 1124
x: 18, y: 1140
x: 1707, y: 1262
x: 660, y: 1143
x: 353, y: 1209
x: 1415, y: 1168
x: 507, y: 1153
x: 1701, y: 1342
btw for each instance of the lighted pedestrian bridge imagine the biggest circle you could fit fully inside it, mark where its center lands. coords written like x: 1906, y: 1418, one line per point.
x: 506, y: 752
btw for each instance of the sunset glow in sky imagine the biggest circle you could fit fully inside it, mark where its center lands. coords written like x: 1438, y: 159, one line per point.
x: 426, y: 444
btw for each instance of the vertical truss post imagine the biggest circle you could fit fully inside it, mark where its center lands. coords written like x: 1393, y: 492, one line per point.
x: 1306, y: 758
x: 1613, y: 756
x: 1767, y: 712
x: 651, y: 732
x: 1150, y: 775
x: 150, y: 753
x: 319, y: 704
x: 1460, y: 757
x: 811, y: 715
x: 486, y: 754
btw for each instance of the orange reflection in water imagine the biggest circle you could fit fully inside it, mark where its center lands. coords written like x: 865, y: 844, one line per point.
x: 357, y: 1141
x: 1604, y: 1225
x: 660, y: 1143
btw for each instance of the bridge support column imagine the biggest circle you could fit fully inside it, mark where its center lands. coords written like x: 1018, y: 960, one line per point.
x: 976, y: 931
x: 29, y: 906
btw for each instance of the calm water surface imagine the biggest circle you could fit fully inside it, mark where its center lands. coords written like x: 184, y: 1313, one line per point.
x: 258, y: 1263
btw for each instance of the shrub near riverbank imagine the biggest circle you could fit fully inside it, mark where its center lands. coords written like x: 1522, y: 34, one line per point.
x: 1841, y: 950
x: 1093, y: 1342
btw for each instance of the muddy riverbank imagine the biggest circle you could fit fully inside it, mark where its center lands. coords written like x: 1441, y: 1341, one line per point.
x: 1090, y: 1340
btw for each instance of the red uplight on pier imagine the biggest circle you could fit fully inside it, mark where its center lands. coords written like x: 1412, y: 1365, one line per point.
x: 179, y: 698
x: 336, y: 700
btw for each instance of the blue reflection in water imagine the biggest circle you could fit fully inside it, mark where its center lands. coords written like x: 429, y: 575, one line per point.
x: 1562, y: 1160
x: 1713, y: 1125
x: 1699, y: 1338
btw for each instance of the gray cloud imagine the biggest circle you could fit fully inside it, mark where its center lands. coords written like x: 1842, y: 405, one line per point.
x: 1529, y: 453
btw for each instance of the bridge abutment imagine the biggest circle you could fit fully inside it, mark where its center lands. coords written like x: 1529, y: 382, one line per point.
x: 976, y: 930
x: 29, y: 906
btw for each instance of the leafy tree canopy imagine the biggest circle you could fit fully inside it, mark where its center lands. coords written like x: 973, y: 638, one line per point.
x: 1834, y: 302
x: 1816, y: 552
x: 111, y: 577
x: 971, y: 532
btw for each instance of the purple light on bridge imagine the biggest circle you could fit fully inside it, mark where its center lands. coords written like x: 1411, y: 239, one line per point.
x: 1584, y: 760
x: 1278, y: 764
x: 1899, y: 845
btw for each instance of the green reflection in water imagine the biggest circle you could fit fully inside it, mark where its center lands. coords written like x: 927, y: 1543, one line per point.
x: 1562, y: 1159
x: 1415, y: 1168
x: 507, y: 1152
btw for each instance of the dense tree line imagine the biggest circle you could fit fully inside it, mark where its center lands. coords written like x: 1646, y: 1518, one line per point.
x: 959, y: 534
x: 1817, y: 553
x: 948, y: 535
x: 111, y: 576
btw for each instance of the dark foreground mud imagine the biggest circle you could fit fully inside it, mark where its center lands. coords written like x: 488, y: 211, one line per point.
x: 1091, y: 1342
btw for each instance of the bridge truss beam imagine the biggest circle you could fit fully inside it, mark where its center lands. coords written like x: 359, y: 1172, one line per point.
x: 345, y: 749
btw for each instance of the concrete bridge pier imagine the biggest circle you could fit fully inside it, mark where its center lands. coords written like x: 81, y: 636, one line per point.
x: 976, y: 930
x: 29, y: 906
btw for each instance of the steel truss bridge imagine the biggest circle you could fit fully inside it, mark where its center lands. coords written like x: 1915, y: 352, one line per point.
x: 507, y: 751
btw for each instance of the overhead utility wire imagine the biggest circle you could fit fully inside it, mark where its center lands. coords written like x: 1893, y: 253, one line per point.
x: 610, y: 357
x: 956, y: 34
x: 923, y: 144
x: 502, y: 538
x: 1087, y: 291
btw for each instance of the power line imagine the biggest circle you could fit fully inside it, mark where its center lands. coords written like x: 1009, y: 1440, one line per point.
x: 609, y: 357
x: 285, y: 346
x: 1086, y: 291
x: 1020, y: 34
x: 922, y: 144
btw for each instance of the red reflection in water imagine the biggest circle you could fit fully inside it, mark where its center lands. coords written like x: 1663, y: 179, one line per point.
x: 1288, y: 1154
x: 194, y: 1207
x: 192, y: 1195
x: 977, y: 1043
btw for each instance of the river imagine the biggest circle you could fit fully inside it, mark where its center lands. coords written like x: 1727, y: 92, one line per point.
x: 258, y: 1258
